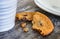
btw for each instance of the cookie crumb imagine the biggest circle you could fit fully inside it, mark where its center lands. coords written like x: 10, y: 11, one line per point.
x: 23, y: 24
x: 25, y: 29
x: 35, y: 38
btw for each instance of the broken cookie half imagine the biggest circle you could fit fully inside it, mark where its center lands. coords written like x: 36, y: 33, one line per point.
x: 25, y: 16
x: 42, y: 24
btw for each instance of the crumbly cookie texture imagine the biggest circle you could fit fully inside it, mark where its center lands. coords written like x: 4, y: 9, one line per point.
x: 25, y: 16
x: 25, y: 29
x: 42, y: 24
x: 23, y: 24
x: 20, y: 16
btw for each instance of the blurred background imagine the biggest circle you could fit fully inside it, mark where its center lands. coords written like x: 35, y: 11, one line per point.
x: 26, y: 5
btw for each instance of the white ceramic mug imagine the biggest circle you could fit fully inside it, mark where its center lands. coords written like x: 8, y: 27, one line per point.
x: 7, y: 14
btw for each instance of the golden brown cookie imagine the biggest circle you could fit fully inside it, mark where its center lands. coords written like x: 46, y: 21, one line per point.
x: 42, y: 24
x: 25, y: 16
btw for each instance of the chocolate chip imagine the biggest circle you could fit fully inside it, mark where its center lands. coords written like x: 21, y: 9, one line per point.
x: 25, y: 15
x: 40, y: 23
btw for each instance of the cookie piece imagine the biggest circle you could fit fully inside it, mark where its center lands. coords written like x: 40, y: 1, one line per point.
x: 20, y: 16
x: 25, y: 16
x: 42, y: 24
x: 25, y: 29
x: 23, y: 24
